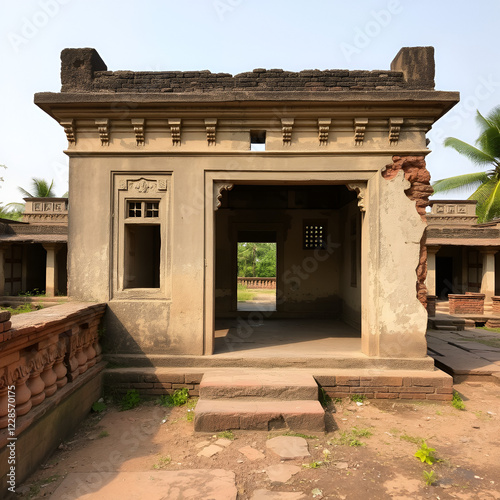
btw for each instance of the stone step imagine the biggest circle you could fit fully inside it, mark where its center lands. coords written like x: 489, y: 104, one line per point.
x: 258, y: 414
x: 274, y: 384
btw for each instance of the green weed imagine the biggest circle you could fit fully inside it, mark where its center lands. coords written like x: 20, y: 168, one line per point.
x: 130, y: 400
x: 226, y: 435
x: 411, y: 439
x: 300, y: 435
x: 313, y: 465
x: 163, y: 461
x: 178, y: 398
x: 430, y: 477
x: 426, y: 454
x: 457, y: 401
x: 103, y: 434
x: 324, y: 398
x: 99, y: 406
x: 350, y: 438
x: 24, y: 308
x: 358, y: 398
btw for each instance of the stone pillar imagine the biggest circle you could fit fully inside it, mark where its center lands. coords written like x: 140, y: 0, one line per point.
x: 430, y: 281
x: 2, y: 272
x: 51, y: 268
x: 488, y: 279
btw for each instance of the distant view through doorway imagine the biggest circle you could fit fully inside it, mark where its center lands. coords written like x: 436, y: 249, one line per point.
x: 257, y: 275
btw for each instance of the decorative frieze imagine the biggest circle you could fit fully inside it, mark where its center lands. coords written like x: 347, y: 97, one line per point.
x: 142, y: 185
x: 69, y: 130
x: 324, y: 130
x: 103, y: 129
x: 395, y: 125
x: 211, y: 127
x: 286, y: 129
x: 175, y: 130
x: 359, y: 130
x: 138, y: 124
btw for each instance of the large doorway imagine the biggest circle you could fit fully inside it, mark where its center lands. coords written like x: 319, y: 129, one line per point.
x: 317, y: 233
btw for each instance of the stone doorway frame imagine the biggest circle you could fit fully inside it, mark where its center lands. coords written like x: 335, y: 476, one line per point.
x: 358, y: 180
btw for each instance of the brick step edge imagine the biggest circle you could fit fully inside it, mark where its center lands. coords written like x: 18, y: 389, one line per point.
x: 264, y: 415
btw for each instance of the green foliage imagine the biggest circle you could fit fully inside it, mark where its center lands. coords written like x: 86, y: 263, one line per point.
x: 457, y: 402
x: 426, y: 454
x: 130, y: 400
x: 24, y: 308
x: 178, y: 398
x: 226, y: 435
x: 40, y: 187
x: 313, y: 465
x: 358, y: 398
x: 300, y: 435
x: 411, y: 439
x: 350, y: 438
x: 244, y: 294
x: 36, y: 292
x: 103, y: 434
x: 430, y: 477
x: 486, y: 155
x: 99, y: 406
x: 163, y: 461
x: 257, y: 260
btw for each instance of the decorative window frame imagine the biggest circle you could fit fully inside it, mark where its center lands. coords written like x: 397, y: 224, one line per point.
x: 143, y: 188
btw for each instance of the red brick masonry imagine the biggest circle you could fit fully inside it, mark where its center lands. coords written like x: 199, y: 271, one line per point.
x: 469, y: 303
x: 496, y: 304
x: 45, y: 350
x: 399, y: 384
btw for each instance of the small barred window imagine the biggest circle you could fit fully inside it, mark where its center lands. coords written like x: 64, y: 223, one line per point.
x: 314, y: 236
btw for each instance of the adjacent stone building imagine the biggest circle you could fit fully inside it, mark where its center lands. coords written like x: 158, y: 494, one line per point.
x: 169, y: 170
x: 33, y: 252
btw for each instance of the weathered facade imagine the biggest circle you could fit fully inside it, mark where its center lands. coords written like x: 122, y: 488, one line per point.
x: 169, y: 170
x: 33, y: 253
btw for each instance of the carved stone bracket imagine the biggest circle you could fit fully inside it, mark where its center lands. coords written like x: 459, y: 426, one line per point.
x: 138, y: 124
x: 211, y: 127
x: 175, y: 130
x: 218, y: 188
x: 360, y: 189
x: 286, y: 129
x: 394, y: 130
x: 359, y: 130
x: 103, y: 129
x: 69, y: 130
x: 324, y: 130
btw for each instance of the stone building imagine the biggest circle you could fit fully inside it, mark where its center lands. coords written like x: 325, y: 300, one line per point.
x: 462, y: 255
x: 169, y: 170
x: 33, y: 252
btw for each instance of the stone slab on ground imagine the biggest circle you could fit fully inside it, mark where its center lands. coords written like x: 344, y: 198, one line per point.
x: 218, y: 415
x: 277, y: 495
x: 193, y: 484
x: 288, y: 447
x: 251, y: 453
x: 276, y: 384
x: 281, y: 473
x: 209, y: 451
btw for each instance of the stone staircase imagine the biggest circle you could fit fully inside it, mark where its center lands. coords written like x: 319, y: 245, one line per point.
x: 236, y: 398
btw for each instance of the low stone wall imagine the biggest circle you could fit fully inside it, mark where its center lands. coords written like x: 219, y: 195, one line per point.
x: 469, y: 303
x: 374, y: 384
x: 257, y: 282
x: 431, y: 305
x: 46, y: 357
x: 496, y: 304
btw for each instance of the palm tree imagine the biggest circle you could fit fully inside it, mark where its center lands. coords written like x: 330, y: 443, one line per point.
x: 487, y: 154
x: 41, y: 189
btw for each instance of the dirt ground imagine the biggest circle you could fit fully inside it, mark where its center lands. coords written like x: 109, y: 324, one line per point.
x: 382, y: 466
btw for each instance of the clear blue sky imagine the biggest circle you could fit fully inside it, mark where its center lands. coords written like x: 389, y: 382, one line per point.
x: 235, y: 36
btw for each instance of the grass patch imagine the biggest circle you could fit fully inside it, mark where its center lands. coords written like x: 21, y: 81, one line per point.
x: 24, y: 308
x: 351, y: 438
x: 300, y: 435
x: 488, y: 342
x: 103, y: 434
x: 313, y: 465
x: 244, y: 295
x: 191, y: 404
x: 178, y: 398
x: 226, y: 435
x: 163, y: 461
x: 99, y: 406
x: 411, y: 439
x: 130, y: 400
x: 457, y: 401
x: 358, y: 398
x: 324, y: 398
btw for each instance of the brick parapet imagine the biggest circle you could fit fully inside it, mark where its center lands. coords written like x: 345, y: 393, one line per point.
x: 44, y: 351
x: 496, y: 304
x: 469, y: 303
x: 431, y: 305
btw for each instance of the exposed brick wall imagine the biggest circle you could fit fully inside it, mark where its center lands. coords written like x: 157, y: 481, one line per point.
x: 419, y: 191
x: 5, y: 325
x: 388, y: 387
x: 431, y: 305
x: 470, y: 303
x: 496, y: 304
